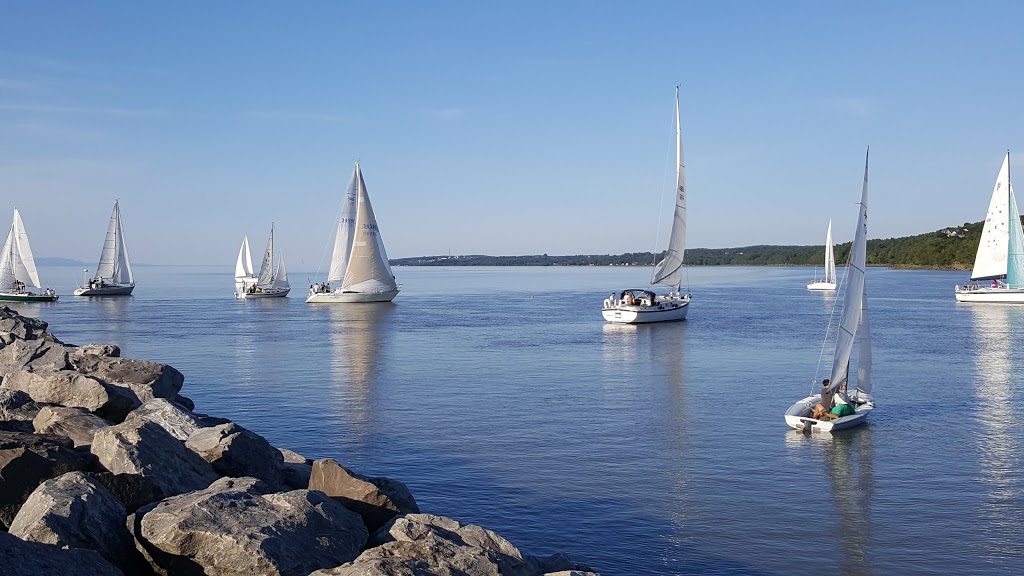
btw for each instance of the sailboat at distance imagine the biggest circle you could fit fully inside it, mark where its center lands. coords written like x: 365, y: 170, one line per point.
x: 18, y: 268
x: 1000, y: 257
x: 271, y: 282
x: 360, y: 271
x: 853, y: 324
x: 636, y: 306
x: 829, y: 282
x: 114, y: 271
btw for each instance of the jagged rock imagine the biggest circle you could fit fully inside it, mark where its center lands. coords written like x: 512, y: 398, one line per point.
x: 211, y: 421
x: 296, y: 468
x: 426, y: 545
x: 362, y: 495
x: 38, y: 355
x: 173, y: 418
x: 17, y: 410
x: 71, y: 389
x: 145, y: 448
x: 77, y: 353
x: 20, y: 558
x: 234, y: 527
x: 141, y: 379
x: 21, y: 327
x: 185, y: 402
x: 77, y: 424
x: 74, y: 511
x: 26, y: 460
x: 132, y: 490
x: 237, y: 452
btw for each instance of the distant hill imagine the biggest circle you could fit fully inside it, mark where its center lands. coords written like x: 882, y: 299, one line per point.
x: 54, y: 261
x: 950, y: 248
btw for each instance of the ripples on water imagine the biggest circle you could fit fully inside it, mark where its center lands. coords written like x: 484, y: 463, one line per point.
x: 502, y: 398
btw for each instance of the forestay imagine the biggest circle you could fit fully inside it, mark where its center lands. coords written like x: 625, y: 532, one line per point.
x: 669, y: 272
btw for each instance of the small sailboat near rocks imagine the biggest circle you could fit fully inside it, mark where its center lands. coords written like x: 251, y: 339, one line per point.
x: 114, y: 271
x: 271, y: 282
x: 853, y: 325
x: 829, y: 282
x: 637, y: 306
x: 18, y: 268
x: 360, y: 271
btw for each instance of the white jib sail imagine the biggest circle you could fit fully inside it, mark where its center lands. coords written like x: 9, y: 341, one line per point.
x: 853, y: 300
x: 864, y: 356
x: 669, y: 272
x: 281, y: 277
x: 346, y: 228
x: 368, y: 268
x: 243, y: 266
x: 830, y: 257
x: 266, y: 277
x: 990, y: 261
x: 24, y: 263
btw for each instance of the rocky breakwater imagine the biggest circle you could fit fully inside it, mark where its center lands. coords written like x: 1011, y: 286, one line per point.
x: 105, y: 468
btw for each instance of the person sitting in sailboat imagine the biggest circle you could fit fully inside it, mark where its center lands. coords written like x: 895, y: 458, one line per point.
x: 825, y: 405
x: 842, y: 408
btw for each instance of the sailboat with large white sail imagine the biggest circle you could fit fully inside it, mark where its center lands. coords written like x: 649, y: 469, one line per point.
x: 829, y: 281
x: 114, y: 271
x: 244, y: 275
x: 1000, y: 257
x: 360, y: 271
x: 853, y: 325
x: 636, y: 306
x: 18, y: 268
x: 271, y: 282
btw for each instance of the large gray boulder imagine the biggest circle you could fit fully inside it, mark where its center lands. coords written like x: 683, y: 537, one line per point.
x: 17, y: 410
x: 376, y: 500
x: 15, y: 326
x: 237, y: 452
x: 77, y: 424
x: 234, y: 528
x: 40, y: 355
x: 177, y: 420
x: 140, y: 447
x: 26, y: 460
x: 296, y: 468
x: 74, y: 511
x: 133, y: 491
x: 141, y: 379
x: 69, y: 388
x: 426, y: 545
x: 77, y: 353
x: 21, y: 558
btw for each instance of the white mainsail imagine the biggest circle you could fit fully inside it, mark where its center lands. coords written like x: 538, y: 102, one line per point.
x: 853, y: 301
x: 114, y: 264
x: 266, y: 276
x: 243, y: 266
x: 991, y: 260
x: 830, y: 257
x: 346, y: 228
x: 669, y: 272
x: 864, y: 355
x: 367, y: 268
x: 16, y: 262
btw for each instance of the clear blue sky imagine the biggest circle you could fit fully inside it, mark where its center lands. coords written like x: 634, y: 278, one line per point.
x: 498, y: 128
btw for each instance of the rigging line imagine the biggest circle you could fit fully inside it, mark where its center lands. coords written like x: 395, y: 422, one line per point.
x: 664, y: 187
x: 831, y: 315
x: 337, y: 222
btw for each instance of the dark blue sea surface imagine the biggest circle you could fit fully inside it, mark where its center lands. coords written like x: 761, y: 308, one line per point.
x: 501, y: 398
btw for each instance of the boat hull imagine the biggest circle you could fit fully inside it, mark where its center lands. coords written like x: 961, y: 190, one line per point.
x: 263, y: 293
x: 821, y: 286
x: 990, y: 295
x: 106, y: 291
x: 338, y: 297
x: 663, y: 310
x: 799, y: 415
x: 27, y: 297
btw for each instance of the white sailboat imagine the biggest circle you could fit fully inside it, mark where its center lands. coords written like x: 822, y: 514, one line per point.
x: 359, y: 265
x: 269, y: 283
x: 853, y: 324
x: 635, y: 306
x: 18, y: 268
x: 1000, y: 257
x: 114, y: 271
x: 829, y: 282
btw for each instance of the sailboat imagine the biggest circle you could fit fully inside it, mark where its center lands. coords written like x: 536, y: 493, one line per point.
x: 853, y: 324
x: 114, y: 271
x: 1000, y: 256
x: 634, y: 305
x: 829, y: 282
x: 18, y: 268
x: 359, y: 264
x: 269, y: 283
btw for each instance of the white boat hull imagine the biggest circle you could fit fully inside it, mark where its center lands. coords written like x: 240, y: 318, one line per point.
x: 799, y: 415
x: 996, y: 295
x: 120, y: 290
x: 821, y: 286
x: 262, y: 293
x: 339, y: 297
x: 664, y: 309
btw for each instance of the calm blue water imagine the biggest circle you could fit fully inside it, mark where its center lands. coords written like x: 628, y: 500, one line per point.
x: 501, y: 398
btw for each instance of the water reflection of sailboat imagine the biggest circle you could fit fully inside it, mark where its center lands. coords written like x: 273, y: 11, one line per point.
x: 998, y: 447
x: 358, y: 334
